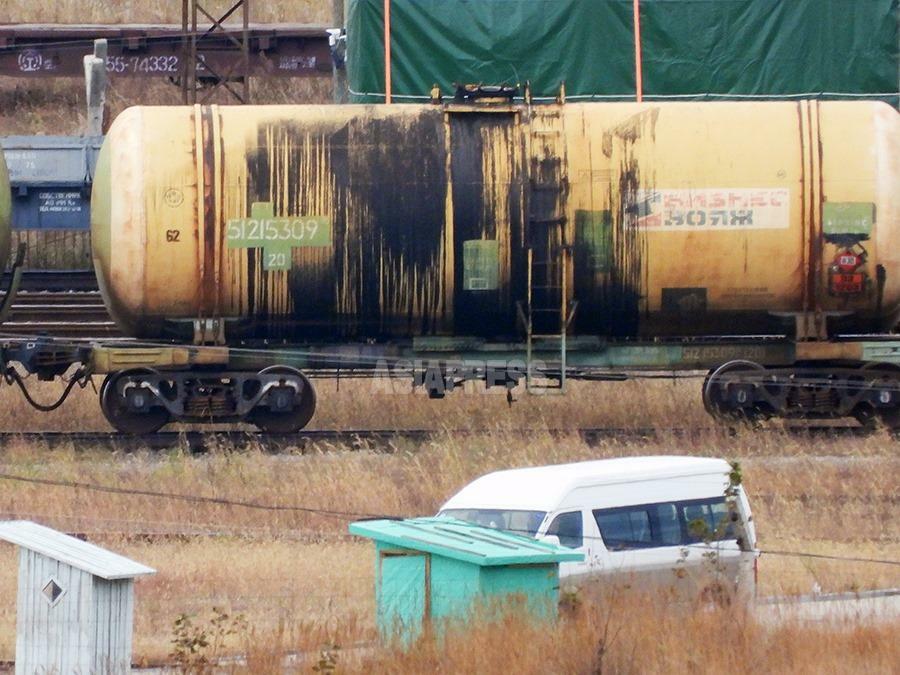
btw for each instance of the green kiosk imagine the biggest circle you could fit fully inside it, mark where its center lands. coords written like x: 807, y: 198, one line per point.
x: 439, y: 569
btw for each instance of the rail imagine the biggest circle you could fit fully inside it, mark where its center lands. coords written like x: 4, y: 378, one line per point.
x: 379, y: 440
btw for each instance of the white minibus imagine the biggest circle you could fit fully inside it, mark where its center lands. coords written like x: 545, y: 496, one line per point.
x: 655, y: 520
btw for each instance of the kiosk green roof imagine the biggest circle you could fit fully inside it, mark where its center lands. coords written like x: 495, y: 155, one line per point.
x: 463, y: 541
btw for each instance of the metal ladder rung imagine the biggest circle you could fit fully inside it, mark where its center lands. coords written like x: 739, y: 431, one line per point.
x: 547, y: 277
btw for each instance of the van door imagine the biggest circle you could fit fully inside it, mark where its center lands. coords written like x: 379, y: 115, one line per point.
x: 687, y: 544
x: 642, y: 543
x: 569, y: 528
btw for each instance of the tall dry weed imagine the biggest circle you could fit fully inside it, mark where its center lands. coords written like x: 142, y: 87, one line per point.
x: 627, y: 635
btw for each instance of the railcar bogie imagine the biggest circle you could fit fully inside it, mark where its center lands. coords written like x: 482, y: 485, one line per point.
x: 143, y: 400
x: 744, y: 390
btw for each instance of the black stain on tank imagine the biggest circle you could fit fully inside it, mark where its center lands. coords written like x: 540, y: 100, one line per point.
x: 397, y: 181
x: 481, y: 312
x: 382, y: 182
x: 611, y: 294
x: 621, y: 294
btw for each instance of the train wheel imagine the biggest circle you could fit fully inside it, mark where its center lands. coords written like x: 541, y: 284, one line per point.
x: 718, y: 398
x: 116, y: 411
x: 304, y: 405
x: 887, y: 382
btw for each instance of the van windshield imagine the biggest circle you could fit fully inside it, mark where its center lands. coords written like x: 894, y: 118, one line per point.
x: 525, y: 523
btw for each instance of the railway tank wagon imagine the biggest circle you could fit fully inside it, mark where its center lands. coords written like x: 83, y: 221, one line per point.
x: 562, y: 230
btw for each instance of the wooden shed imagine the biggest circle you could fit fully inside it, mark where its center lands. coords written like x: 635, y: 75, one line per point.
x: 75, y: 603
x: 440, y: 569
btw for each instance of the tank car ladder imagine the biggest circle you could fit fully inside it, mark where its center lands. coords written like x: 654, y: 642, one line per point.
x: 549, y: 255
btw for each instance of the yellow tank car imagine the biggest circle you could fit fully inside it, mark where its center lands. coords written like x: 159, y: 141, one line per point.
x: 375, y: 222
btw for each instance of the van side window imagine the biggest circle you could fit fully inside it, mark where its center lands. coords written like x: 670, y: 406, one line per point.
x: 567, y: 526
x: 707, y: 520
x: 666, y: 524
x: 625, y: 528
x: 669, y: 525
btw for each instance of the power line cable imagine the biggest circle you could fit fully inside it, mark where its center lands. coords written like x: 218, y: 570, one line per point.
x: 197, y: 499
x: 369, y: 516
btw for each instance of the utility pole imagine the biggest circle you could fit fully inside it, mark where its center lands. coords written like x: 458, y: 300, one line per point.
x: 638, y: 67
x: 196, y: 70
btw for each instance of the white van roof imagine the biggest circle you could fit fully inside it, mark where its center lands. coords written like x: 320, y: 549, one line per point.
x: 542, y: 488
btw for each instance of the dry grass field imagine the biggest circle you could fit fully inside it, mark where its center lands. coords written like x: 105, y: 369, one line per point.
x: 302, y: 583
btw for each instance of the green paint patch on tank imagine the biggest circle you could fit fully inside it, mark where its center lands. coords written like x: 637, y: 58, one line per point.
x: 5, y: 213
x: 277, y: 236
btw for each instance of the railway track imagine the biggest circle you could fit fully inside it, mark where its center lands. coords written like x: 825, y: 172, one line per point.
x: 72, y: 314
x: 381, y: 440
x: 55, y: 280
x: 360, y: 439
x: 60, y: 304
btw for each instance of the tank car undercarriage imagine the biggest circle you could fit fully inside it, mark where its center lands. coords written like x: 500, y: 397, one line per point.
x: 748, y: 391
x: 278, y: 399
x: 146, y: 387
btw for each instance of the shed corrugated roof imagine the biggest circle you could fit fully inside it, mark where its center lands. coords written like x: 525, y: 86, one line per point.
x: 72, y: 551
x: 463, y: 541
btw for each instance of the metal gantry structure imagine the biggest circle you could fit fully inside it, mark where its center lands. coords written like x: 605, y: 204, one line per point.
x: 197, y: 71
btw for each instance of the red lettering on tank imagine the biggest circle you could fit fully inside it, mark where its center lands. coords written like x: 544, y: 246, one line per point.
x: 758, y: 199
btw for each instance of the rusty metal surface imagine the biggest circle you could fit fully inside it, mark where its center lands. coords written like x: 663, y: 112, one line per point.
x: 155, y: 50
x: 698, y: 223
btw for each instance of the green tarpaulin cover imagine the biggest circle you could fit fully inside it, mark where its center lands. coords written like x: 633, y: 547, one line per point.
x: 690, y: 48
